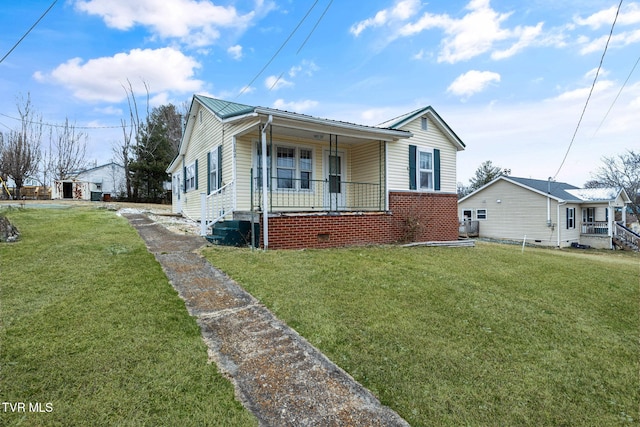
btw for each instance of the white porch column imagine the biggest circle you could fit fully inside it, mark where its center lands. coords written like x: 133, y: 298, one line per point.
x: 265, y: 190
x: 203, y: 214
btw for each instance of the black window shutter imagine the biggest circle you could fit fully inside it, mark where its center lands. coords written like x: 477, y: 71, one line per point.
x: 412, y: 167
x: 208, y: 173
x: 196, y: 178
x: 184, y: 179
x: 219, y: 166
x: 436, y: 169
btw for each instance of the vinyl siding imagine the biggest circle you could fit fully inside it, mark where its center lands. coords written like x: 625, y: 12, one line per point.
x: 431, y: 138
x: 520, y: 213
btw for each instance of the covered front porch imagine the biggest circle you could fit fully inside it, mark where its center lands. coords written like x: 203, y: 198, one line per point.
x: 313, y: 167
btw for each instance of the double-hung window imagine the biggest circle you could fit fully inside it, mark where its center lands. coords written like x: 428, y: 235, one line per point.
x: 571, y: 218
x: 293, y: 168
x: 190, y: 181
x: 425, y: 169
x: 286, y: 167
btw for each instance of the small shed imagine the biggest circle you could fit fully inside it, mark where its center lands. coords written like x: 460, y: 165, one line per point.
x: 98, y: 183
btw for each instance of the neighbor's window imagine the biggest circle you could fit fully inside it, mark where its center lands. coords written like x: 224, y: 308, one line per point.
x: 424, y: 123
x: 425, y: 170
x: 481, y: 214
x: 191, y: 177
x: 467, y: 214
x: 571, y: 218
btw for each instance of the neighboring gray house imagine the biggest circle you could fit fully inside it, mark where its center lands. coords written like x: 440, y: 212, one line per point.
x: 546, y: 212
x: 97, y: 183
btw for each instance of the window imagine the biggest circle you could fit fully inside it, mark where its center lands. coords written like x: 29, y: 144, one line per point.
x: 214, y: 170
x: 571, y: 218
x: 425, y: 170
x: 286, y: 167
x: 588, y: 214
x: 481, y: 214
x: 424, y: 123
x: 294, y: 167
x: 467, y: 214
x: 306, y: 165
x: 259, y: 166
x: 190, y: 177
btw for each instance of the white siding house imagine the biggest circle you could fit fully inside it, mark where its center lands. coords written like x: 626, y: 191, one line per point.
x: 316, y: 169
x: 544, y: 212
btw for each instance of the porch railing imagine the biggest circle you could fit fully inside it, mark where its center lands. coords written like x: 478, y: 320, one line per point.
x: 215, y: 206
x: 595, y: 227
x: 319, y: 195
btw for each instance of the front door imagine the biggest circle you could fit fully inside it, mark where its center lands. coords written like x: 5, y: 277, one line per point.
x: 335, y: 177
x: 177, y: 193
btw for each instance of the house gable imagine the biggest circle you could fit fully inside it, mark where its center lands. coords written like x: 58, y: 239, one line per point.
x: 432, y: 136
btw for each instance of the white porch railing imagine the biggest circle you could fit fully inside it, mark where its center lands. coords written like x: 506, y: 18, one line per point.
x: 595, y: 227
x: 215, y: 206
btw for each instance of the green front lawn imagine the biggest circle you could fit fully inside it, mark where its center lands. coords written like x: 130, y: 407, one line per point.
x: 466, y: 336
x: 92, y: 333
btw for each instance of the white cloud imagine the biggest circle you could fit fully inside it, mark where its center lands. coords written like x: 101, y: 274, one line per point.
x: 307, y: 68
x: 479, y: 31
x: 629, y: 15
x: 401, y: 11
x: 472, y: 82
x: 235, y: 52
x: 617, y: 41
x: 296, y: 106
x: 102, y: 79
x: 276, y: 83
x: 197, y: 23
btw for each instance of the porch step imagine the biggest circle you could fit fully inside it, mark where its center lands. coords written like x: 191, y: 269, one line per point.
x: 625, y: 246
x: 230, y: 233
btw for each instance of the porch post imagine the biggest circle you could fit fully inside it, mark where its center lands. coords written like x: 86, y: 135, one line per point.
x: 203, y: 214
x: 265, y: 190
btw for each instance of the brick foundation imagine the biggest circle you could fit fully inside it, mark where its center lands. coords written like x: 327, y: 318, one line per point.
x: 412, y: 217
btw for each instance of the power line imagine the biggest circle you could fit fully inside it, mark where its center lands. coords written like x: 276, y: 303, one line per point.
x: 28, y: 31
x: 593, y: 85
x: 279, y: 49
x: 53, y: 125
x: 617, y: 96
x: 315, y: 26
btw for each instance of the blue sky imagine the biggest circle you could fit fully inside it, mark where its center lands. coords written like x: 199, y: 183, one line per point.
x: 511, y: 78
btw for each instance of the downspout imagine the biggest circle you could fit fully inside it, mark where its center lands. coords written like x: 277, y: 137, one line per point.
x: 265, y: 191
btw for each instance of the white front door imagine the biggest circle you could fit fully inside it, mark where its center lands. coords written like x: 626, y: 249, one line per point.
x: 335, y: 177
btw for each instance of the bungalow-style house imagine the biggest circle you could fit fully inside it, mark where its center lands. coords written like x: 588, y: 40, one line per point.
x: 96, y: 184
x: 548, y: 213
x: 322, y: 183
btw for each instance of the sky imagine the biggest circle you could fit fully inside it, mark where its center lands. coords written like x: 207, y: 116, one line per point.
x: 528, y: 86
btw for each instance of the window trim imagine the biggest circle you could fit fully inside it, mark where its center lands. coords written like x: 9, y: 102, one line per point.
x: 484, y: 215
x: 191, y: 178
x: 419, y: 170
x: 297, y: 169
x: 571, y: 219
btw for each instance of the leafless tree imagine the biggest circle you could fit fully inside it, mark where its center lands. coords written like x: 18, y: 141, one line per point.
x: 21, y: 148
x: 69, y: 151
x: 621, y: 171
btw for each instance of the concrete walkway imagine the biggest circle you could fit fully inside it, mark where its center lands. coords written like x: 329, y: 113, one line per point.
x: 278, y: 376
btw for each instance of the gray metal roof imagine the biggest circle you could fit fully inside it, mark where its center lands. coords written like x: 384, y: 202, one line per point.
x: 554, y: 188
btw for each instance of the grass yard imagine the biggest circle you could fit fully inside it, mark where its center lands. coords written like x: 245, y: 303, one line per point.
x: 484, y: 336
x: 92, y: 333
